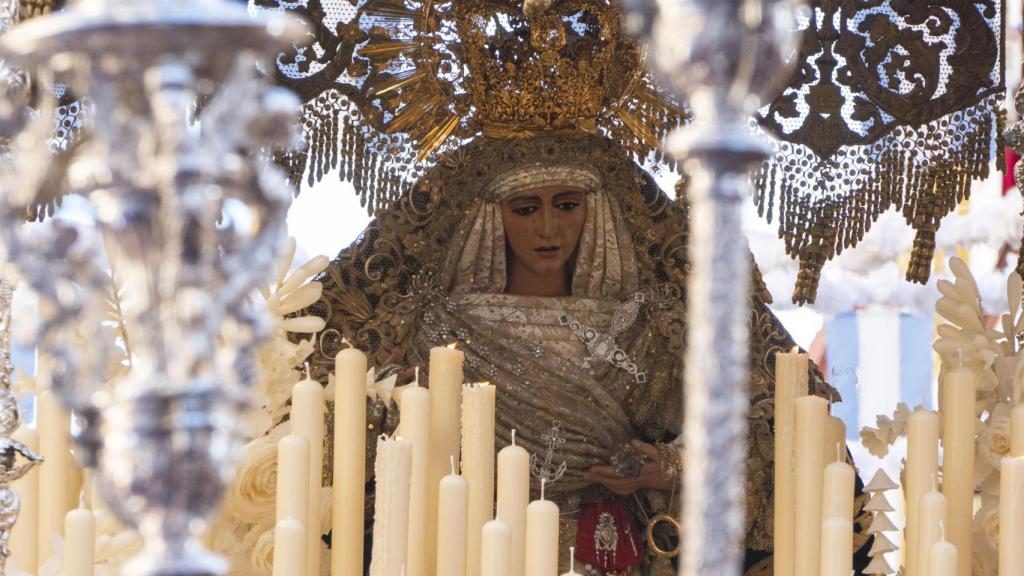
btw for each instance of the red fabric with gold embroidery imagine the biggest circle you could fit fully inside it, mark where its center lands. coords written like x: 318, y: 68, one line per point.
x: 607, y: 536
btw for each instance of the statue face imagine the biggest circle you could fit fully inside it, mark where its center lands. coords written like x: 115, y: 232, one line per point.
x: 543, y: 227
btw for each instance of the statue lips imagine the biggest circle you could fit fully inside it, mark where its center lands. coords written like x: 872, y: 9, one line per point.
x: 547, y: 251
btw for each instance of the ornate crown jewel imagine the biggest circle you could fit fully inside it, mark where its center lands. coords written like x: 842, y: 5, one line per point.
x: 460, y: 68
x: 560, y: 67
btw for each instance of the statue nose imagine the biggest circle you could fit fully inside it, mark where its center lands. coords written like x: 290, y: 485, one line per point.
x: 547, y: 225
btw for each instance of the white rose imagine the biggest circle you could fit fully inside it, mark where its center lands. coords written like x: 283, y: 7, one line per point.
x: 251, y: 497
x: 262, y: 558
x: 994, y: 440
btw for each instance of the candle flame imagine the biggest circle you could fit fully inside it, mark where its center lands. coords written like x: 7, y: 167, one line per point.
x: 452, y: 345
x: 483, y: 384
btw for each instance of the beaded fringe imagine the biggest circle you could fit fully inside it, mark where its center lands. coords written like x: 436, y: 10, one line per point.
x: 825, y: 207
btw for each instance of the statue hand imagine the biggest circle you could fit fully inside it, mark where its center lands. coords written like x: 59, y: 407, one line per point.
x: 652, y: 475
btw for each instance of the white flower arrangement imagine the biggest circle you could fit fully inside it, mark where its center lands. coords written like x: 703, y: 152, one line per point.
x: 995, y: 353
x: 243, y: 529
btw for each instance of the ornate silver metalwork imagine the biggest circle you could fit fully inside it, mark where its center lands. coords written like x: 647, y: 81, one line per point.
x: 192, y: 217
x: 10, y: 418
x: 601, y: 346
x: 12, y: 80
x: 732, y: 55
x: 546, y: 471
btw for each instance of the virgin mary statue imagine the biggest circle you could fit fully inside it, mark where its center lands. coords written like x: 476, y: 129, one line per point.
x: 498, y: 144
x: 559, y: 267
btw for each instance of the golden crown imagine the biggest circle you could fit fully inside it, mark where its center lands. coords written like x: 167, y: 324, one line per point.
x: 443, y: 72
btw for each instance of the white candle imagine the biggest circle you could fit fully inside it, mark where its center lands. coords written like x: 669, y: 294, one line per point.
x: 931, y: 516
x: 478, y: 466
x: 1017, y: 431
x: 542, y: 537
x: 393, y: 471
x: 791, y: 373
x: 415, y: 427
x: 76, y: 478
x: 838, y: 491
x: 24, y: 543
x: 811, y: 418
x: 1011, y: 516
x: 79, y: 543
x: 349, y: 466
x: 289, y: 547
x: 513, y: 498
x: 453, y: 501
x: 943, y: 559
x: 292, y: 479
x: 572, y: 563
x: 307, y: 420
x: 958, y: 463
x: 835, y: 438
x: 445, y: 428
x: 922, y: 466
x: 496, y: 550
x: 54, y: 426
x: 836, y: 547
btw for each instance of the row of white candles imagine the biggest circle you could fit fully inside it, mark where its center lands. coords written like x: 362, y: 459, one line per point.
x: 814, y: 502
x: 429, y: 518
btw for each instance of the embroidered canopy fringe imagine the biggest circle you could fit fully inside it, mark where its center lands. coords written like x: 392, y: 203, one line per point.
x: 30, y: 8
x: 826, y: 205
x: 894, y: 105
x: 380, y: 167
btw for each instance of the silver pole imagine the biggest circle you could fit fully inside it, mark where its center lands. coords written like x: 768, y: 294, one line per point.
x: 721, y: 56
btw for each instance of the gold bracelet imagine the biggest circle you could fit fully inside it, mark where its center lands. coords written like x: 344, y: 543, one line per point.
x: 671, y: 460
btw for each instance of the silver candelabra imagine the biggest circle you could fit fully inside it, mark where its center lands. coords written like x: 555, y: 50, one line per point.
x: 16, y: 459
x: 733, y: 53
x: 191, y: 215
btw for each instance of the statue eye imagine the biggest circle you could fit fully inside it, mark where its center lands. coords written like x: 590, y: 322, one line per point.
x: 567, y: 206
x: 525, y: 210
